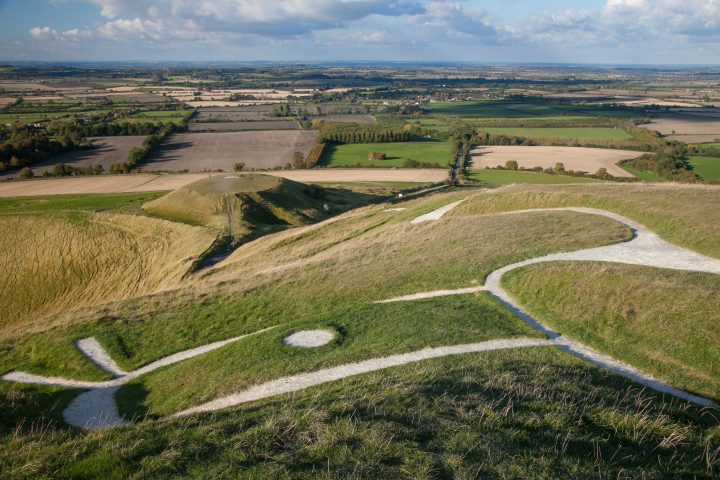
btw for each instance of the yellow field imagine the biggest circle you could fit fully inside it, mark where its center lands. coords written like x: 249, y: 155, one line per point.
x: 52, y: 263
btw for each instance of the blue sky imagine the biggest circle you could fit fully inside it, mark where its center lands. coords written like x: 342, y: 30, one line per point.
x: 595, y: 31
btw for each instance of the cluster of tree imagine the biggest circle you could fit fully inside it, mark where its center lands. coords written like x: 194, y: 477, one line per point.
x: 669, y: 162
x: 64, y: 170
x: 356, y: 133
x: 282, y: 110
x: 138, y: 154
x: 606, y: 122
x: 410, y: 163
x: 24, y: 146
x: 558, y: 169
x: 300, y: 161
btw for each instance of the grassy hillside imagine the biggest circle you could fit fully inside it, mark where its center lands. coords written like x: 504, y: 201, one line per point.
x: 674, y: 340
x: 686, y: 215
x: 246, y: 205
x: 534, y: 413
x: 64, y: 260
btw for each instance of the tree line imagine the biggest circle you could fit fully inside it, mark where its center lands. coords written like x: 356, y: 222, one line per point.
x: 25, y: 146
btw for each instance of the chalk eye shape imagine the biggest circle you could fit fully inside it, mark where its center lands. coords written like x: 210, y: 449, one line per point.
x: 309, y: 338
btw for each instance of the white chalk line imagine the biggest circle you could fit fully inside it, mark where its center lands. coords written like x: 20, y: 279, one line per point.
x: 93, y: 351
x: 436, y: 214
x: 97, y: 409
x: 300, y: 382
x: 645, y: 248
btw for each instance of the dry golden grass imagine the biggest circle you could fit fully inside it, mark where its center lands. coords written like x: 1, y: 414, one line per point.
x: 52, y: 263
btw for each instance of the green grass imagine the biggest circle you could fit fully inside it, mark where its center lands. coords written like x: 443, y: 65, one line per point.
x: 707, y: 167
x: 528, y: 414
x: 507, y: 177
x: 121, y: 202
x: 362, y: 332
x: 164, y: 116
x: 522, y: 109
x: 437, y: 153
x: 582, y: 133
x: 672, y: 335
x: 643, y: 175
x: 685, y: 215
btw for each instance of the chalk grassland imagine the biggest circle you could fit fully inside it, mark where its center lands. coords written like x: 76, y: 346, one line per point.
x: 198, y: 152
x: 565, y: 417
x: 686, y: 215
x: 106, y: 151
x: 436, y: 153
x: 707, y: 167
x: 675, y: 341
x: 588, y: 160
x: 57, y: 261
x: 536, y: 413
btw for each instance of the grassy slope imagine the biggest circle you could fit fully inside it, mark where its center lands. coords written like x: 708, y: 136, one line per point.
x: 707, y: 167
x: 73, y: 250
x: 508, y: 177
x: 437, y: 153
x: 644, y: 175
x: 675, y: 340
x: 530, y: 414
x: 686, y: 215
x: 362, y: 332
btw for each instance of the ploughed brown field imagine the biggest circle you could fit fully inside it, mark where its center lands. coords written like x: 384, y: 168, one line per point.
x: 240, y: 126
x: 198, y: 152
x: 108, y: 150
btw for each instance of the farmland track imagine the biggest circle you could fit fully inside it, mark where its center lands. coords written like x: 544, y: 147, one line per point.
x: 146, y: 182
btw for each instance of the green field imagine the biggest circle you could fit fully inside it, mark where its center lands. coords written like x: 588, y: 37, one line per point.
x: 437, y: 153
x: 707, y: 167
x: 522, y: 109
x: 164, y: 116
x: 507, y: 177
x: 591, y: 133
x: 643, y: 175
x: 629, y: 322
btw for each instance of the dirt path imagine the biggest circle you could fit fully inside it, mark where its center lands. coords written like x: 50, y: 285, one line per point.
x: 147, y: 182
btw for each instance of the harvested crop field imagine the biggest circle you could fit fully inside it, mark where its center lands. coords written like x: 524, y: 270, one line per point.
x: 243, y: 126
x: 354, y: 118
x: 146, y: 182
x: 573, y: 158
x: 108, y: 150
x: 686, y: 125
x: 197, y: 152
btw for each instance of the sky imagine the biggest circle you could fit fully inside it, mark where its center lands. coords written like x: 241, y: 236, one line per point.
x: 545, y: 31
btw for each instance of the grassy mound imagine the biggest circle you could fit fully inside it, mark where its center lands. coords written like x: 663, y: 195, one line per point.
x: 244, y: 204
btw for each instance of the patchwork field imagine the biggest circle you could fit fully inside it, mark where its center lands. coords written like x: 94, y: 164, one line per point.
x: 106, y: 151
x: 579, y: 159
x: 145, y: 182
x: 436, y: 153
x: 198, y: 152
